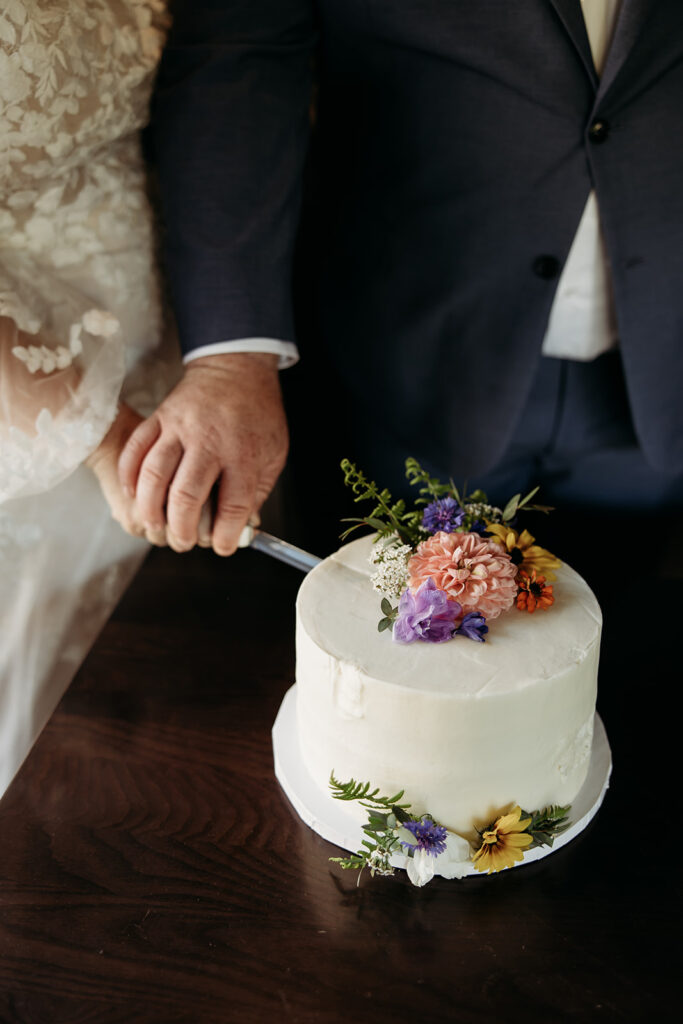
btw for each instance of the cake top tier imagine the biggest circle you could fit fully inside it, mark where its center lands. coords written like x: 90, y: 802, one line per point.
x: 338, y: 611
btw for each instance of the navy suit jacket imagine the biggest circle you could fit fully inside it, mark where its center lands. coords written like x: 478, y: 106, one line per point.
x: 455, y: 146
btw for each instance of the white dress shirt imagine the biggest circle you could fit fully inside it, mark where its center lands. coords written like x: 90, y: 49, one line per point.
x: 582, y: 323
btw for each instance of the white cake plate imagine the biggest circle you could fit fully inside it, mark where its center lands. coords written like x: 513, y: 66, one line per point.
x: 330, y: 819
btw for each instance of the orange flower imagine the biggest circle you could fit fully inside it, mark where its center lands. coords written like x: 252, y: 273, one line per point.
x: 533, y: 592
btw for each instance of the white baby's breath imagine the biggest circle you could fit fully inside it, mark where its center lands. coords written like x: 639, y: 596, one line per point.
x: 480, y: 510
x: 391, y: 560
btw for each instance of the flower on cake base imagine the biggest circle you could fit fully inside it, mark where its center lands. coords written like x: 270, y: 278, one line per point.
x: 503, y: 842
x: 473, y: 570
x: 434, y: 851
x: 521, y: 548
x: 533, y: 592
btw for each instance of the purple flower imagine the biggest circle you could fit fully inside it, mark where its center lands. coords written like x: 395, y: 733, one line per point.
x: 428, y: 836
x: 443, y: 514
x: 425, y: 615
x: 473, y: 626
x: 480, y: 527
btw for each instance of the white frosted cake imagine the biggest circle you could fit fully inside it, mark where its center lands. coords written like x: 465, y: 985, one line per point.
x: 464, y: 728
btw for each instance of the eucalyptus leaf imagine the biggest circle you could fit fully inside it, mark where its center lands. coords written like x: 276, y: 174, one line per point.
x: 511, y: 507
x: 528, y: 497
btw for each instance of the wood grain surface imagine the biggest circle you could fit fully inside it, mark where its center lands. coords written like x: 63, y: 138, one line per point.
x: 152, y: 870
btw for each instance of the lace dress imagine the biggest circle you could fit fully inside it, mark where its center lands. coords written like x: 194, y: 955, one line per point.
x: 80, y: 326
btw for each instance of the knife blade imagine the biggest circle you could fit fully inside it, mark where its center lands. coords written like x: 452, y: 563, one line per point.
x: 259, y: 540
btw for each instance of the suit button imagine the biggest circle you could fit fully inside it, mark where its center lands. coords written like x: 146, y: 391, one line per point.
x: 546, y: 267
x: 598, y: 131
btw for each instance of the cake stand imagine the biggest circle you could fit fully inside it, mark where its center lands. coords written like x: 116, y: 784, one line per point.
x: 331, y: 819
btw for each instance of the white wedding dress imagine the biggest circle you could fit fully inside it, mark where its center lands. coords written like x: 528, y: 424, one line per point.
x: 80, y: 326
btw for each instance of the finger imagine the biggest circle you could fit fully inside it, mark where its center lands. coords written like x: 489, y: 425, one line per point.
x: 205, y: 525
x: 126, y: 520
x: 134, y: 451
x: 187, y: 496
x: 156, y: 537
x: 154, y: 479
x: 235, y: 503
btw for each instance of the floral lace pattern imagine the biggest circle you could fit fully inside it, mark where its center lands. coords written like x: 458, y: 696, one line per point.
x: 75, y: 230
x: 80, y: 308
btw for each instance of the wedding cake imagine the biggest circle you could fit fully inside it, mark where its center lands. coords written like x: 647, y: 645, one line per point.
x: 462, y: 725
x: 466, y: 729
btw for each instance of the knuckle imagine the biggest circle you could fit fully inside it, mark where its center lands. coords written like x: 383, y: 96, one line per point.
x: 234, y: 511
x: 184, y: 498
x: 151, y: 475
x: 135, y: 444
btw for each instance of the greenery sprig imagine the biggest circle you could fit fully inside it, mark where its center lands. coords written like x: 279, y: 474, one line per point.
x: 391, y: 519
x: 547, y: 824
x: 432, y: 489
x: 389, y: 612
x: 385, y: 813
x: 517, y: 503
x: 388, y: 517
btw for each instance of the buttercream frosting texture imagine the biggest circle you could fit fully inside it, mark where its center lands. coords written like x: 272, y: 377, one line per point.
x: 465, y: 728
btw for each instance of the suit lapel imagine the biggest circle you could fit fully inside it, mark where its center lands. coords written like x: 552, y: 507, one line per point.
x: 630, y: 20
x: 571, y: 16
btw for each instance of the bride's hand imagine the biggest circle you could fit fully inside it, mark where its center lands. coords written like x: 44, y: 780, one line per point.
x: 104, y: 464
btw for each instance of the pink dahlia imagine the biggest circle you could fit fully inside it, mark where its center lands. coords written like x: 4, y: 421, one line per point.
x: 474, y: 570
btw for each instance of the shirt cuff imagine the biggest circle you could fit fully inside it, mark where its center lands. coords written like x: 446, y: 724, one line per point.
x: 287, y: 351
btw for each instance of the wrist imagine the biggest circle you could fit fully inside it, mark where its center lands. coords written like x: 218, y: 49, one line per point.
x: 231, y: 362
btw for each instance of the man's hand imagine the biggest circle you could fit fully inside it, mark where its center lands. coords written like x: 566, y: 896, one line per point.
x: 224, y: 422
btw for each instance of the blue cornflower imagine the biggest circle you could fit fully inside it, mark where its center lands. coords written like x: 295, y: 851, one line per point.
x: 443, y: 514
x: 473, y: 626
x: 429, y: 836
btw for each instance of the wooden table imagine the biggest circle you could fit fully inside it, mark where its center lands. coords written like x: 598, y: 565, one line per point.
x: 152, y: 870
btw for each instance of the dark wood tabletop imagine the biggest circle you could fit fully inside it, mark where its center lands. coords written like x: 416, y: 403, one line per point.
x: 153, y: 871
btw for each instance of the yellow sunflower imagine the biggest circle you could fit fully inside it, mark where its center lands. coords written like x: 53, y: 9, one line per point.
x: 503, y: 842
x: 522, y: 550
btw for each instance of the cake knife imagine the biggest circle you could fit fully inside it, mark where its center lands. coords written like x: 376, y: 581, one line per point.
x: 276, y: 548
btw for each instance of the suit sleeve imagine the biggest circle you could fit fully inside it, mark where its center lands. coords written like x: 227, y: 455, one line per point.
x: 229, y: 134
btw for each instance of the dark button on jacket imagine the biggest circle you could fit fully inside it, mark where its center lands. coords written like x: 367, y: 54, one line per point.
x: 598, y: 131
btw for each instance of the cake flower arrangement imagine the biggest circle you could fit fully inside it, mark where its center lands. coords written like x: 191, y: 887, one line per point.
x: 453, y: 563
x: 430, y: 848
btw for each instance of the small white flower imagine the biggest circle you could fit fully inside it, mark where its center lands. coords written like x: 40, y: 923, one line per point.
x: 480, y: 510
x: 454, y: 862
x: 378, y: 864
x: 420, y: 867
x: 391, y: 560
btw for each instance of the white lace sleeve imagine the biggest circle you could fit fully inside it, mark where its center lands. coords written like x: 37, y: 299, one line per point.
x: 61, y: 370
